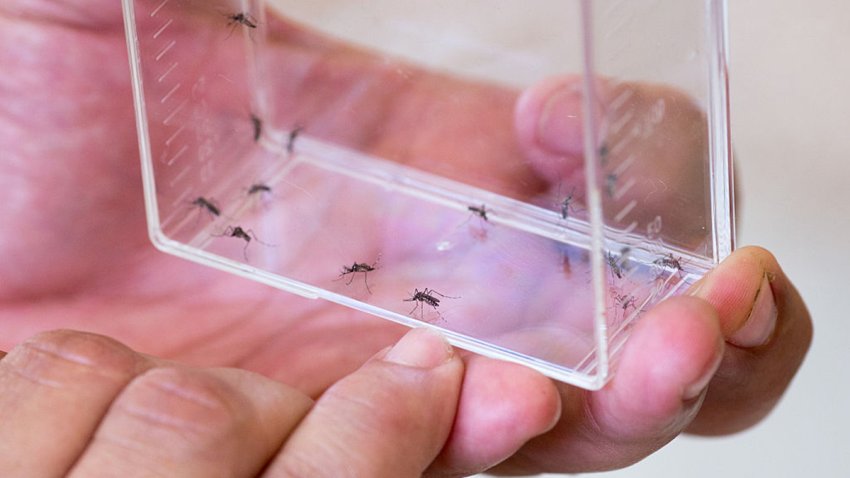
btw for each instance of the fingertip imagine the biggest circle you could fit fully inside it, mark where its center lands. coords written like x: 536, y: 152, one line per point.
x: 549, y: 125
x: 422, y: 347
x: 734, y: 286
x: 502, y: 406
x: 668, y: 361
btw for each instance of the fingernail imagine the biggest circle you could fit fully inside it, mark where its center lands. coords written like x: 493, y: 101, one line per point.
x: 694, y: 390
x: 560, y: 126
x: 759, y: 326
x: 423, y: 348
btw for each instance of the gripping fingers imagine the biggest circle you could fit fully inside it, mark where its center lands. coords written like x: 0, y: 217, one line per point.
x: 86, y: 403
x: 54, y: 388
x: 390, y: 418
x: 176, y: 421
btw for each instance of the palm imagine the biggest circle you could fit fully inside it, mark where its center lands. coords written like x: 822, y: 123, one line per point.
x: 79, y: 256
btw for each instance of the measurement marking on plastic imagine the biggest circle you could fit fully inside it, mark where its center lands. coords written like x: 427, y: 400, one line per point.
x: 174, y: 135
x: 620, y: 100
x: 167, y: 71
x: 631, y: 227
x: 164, y: 50
x: 621, y: 122
x: 622, y: 190
x: 653, y: 229
x: 170, y: 93
x: 167, y: 120
x: 179, y: 177
x: 620, y: 146
x: 176, y: 155
x: 161, y: 29
x: 625, y: 211
x: 656, y: 114
x: 626, y: 164
x: 181, y: 198
x: 156, y: 10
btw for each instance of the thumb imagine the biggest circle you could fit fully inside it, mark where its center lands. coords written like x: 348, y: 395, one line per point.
x: 652, y: 149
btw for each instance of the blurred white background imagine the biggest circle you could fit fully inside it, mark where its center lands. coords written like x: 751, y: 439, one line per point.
x: 790, y: 80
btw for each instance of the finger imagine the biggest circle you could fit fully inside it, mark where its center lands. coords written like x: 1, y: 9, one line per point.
x: 652, y: 148
x: 54, y: 389
x: 177, y: 421
x: 390, y: 418
x: 769, y: 331
x: 502, y: 406
x: 662, y: 374
x: 549, y: 122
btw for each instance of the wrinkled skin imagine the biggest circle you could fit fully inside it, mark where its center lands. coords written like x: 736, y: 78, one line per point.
x: 76, y: 256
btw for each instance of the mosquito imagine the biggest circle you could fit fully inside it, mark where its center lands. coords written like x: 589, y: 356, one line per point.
x: 625, y: 301
x: 246, y: 235
x: 208, y: 205
x: 426, y: 297
x: 479, y: 211
x: 669, y: 261
x: 565, y: 203
x: 614, y: 264
x: 293, y: 135
x: 257, y: 123
x: 359, y: 267
x: 604, y: 151
x: 259, y: 188
x: 479, y: 231
x: 611, y: 184
x: 241, y: 18
x: 566, y: 266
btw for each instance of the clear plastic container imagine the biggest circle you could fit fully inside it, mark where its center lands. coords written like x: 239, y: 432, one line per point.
x: 369, y: 154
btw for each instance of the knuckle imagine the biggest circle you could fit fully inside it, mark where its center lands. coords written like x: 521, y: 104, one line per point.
x: 63, y: 358
x: 387, y: 409
x: 188, y: 408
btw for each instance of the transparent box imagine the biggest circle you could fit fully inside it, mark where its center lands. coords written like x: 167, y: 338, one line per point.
x: 377, y: 155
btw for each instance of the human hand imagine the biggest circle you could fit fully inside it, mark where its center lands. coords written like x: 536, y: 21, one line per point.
x: 86, y: 264
x: 77, y: 404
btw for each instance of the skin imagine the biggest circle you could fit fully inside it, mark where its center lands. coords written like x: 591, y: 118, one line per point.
x: 201, y: 367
